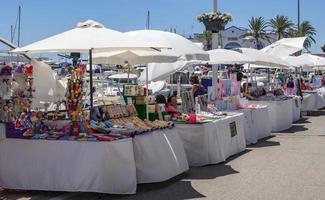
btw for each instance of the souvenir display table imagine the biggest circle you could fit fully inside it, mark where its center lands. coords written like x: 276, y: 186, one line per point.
x: 159, y: 156
x: 105, y: 167
x: 280, y: 111
x: 257, y: 123
x: 213, y: 142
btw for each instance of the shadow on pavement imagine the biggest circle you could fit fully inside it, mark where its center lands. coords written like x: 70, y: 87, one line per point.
x: 316, y: 113
x: 295, y: 129
x: 265, y: 143
x: 302, y: 121
x: 214, y: 171
x: 172, y: 189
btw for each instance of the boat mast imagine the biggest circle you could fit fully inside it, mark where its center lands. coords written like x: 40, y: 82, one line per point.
x: 19, y: 15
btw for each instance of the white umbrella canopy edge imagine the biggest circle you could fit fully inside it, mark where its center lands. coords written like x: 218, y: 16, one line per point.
x: 180, y: 45
x: 224, y: 56
x: 89, y: 35
x: 264, y: 59
x: 285, y: 46
x: 134, y: 57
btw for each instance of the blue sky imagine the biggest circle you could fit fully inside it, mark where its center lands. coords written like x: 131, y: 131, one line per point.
x: 43, y: 18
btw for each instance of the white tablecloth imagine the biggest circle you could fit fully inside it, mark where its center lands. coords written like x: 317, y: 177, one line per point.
x: 296, y: 108
x: 159, y: 156
x: 320, y: 100
x: 105, y: 167
x: 280, y: 113
x: 211, y: 143
x: 308, y: 102
x: 257, y: 124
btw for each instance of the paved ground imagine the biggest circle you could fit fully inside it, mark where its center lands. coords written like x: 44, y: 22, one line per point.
x: 290, y: 165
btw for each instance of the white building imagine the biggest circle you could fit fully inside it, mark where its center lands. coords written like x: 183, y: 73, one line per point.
x: 233, y: 37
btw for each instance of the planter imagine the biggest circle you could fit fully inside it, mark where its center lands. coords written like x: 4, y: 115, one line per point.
x: 214, y: 26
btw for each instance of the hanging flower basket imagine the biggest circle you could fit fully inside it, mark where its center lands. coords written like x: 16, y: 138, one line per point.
x: 215, y: 22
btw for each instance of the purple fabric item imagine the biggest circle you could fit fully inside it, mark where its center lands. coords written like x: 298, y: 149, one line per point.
x: 20, y: 69
x: 12, y: 132
x: 6, y: 71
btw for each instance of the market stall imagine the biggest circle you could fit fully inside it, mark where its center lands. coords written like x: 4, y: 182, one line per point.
x: 213, y: 142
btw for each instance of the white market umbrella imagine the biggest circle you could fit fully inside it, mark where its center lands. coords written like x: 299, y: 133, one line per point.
x: 134, y: 57
x: 264, y: 59
x: 316, y: 60
x: 286, y: 46
x: 160, y: 71
x: 224, y: 56
x: 298, y: 61
x: 186, y: 49
x: 180, y: 45
x: 89, y: 36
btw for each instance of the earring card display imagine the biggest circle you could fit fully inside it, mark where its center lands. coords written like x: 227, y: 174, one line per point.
x: 188, y: 102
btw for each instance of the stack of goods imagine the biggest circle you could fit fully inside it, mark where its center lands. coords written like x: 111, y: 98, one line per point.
x: 202, y: 118
x: 75, y: 93
x: 188, y: 104
x: 16, y: 91
x: 225, y: 93
x: 122, y: 120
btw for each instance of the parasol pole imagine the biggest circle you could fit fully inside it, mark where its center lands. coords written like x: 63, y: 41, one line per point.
x: 91, y: 77
x: 147, y: 93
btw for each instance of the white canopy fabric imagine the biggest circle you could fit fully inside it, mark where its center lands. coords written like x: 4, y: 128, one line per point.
x: 89, y: 35
x: 134, y: 57
x: 316, y: 60
x: 224, y: 56
x: 264, y: 59
x: 160, y: 71
x: 286, y: 46
x: 180, y: 45
x: 49, y: 89
x: 123, y: 76
x: 298, y: 61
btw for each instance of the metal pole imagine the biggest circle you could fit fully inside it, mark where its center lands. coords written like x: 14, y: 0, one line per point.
x: 91, y: 77
x: 11, y: 34
x: 298, y: 15
x: 19, y: 15
x: 214, y: 5
x: 147, y: 94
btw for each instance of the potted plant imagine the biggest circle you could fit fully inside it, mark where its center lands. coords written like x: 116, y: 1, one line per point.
x: 215, y: 21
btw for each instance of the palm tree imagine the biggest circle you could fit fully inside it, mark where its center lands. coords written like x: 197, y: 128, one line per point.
x: 323, y: 48
x: 206, y: 39
x: 258, y: 29
x: 305, y: 29
x: 281, y: 25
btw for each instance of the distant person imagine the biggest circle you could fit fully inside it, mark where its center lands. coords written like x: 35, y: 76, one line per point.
x: 171, y: 106
x: 246, y: 92
x: 197, y: 88
x: 160, y: 99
